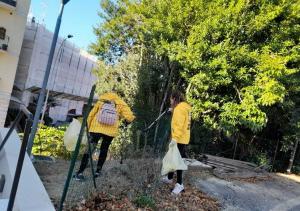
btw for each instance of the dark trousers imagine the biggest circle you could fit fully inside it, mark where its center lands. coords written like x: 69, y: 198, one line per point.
x: 106, y: 141
x: 181, y: 148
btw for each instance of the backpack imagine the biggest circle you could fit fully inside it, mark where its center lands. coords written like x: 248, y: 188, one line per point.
x: 108, y: 114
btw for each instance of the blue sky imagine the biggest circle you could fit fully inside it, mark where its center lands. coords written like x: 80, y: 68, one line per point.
x: 78, y: 19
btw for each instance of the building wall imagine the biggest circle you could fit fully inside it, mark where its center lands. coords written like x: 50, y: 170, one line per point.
x: 14, y: 21
x: 71, y: 71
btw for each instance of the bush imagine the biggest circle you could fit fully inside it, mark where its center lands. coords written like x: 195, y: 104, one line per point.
x: 120, y: 144
x: 145, y: 201
x: 262, y: 159
x: 49, y: 142
x: 296, y: 170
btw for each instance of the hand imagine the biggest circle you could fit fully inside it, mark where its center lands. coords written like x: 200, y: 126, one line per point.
x: 126, y: 124
x: 173, y: 142
x: 170, y: 110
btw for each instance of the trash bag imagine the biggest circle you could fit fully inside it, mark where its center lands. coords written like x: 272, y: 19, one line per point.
x: 172, y: 160
x: 71, y: 135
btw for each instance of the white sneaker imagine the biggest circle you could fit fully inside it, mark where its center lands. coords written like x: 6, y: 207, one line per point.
x: 166, y: 180
x: 178, y: 189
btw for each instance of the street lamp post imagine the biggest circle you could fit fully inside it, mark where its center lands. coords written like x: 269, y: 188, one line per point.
x: 55, y: 64
x: 45, y: 80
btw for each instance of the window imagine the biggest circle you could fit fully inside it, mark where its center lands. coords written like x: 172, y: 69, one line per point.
x: 2, y: 33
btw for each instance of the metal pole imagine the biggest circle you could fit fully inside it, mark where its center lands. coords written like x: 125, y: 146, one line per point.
x: 19, y: 166
x: 55, y: 64
x: 156, y: 120
x: 91, y: 153
x: 45, y: 105
x: 45, y: 81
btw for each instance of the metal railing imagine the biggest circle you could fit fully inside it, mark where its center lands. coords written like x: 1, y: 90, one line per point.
x: 29, y: 118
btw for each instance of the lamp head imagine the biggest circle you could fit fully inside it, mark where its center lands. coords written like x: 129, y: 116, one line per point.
x: 65, y: 2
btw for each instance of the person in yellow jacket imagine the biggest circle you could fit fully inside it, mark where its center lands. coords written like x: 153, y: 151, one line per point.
x: 104, y: 125
x: 180, y: 133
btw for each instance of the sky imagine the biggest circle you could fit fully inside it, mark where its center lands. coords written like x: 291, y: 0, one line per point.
x: 78, y: 19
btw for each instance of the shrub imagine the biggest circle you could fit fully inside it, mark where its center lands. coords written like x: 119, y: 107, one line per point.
x: 145, y: 201
x: 49, y: 142
x: 262, y: 159
x: 120, y: 144
x: 296, y: 170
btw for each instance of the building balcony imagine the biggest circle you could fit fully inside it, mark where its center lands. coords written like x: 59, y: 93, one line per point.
x: 8, y: 4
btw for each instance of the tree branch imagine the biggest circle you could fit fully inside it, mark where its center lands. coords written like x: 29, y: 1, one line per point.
x: 238, y: 93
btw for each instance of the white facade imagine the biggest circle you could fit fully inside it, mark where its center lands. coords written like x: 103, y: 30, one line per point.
x: 13, y: 15
x: 71, y: 75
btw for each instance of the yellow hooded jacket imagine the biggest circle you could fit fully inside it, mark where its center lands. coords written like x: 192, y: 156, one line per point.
x: 122, y: 109
x: 181, y: 123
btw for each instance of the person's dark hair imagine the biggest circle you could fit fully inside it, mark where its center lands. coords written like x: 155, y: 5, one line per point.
x: 177, y: 96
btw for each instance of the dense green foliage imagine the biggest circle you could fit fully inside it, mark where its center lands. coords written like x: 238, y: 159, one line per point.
x: 49, y: 142
x: 236, y: 60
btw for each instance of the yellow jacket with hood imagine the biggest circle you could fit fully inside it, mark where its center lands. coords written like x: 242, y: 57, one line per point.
x: 181, y: 123
x: 123, y: 111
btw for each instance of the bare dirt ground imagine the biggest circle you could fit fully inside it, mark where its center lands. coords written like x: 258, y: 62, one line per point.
x: 120, y: 184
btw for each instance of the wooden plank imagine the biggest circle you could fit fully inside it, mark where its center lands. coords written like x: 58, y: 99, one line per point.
x: 230, y: 162
x: 220, y: 165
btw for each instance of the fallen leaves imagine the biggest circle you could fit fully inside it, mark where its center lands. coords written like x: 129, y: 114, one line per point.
x: 103, y: 201
x: 192, y: 200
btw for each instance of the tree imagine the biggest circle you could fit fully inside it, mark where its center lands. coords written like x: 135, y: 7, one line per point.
x: 236, y: 59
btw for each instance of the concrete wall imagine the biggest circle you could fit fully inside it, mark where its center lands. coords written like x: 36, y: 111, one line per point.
x: 13, y: 20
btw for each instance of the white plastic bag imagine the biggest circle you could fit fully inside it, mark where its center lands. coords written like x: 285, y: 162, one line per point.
x: 71, y: 135
x: 172, y: 160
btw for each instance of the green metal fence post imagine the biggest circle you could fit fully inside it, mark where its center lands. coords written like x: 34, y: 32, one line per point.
x: 76, y: 152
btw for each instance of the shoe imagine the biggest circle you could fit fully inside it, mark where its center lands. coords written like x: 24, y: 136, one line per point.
x: 78, y: 177
x: 97, y: 174
x: 178, y: 189
x: 166, y: 180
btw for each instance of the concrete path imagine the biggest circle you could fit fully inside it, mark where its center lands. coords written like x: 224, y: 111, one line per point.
x: 275, y: 193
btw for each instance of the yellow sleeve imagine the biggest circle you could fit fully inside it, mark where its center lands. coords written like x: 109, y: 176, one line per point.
x: 178, y: 122
x: 93, y: 113
x: 125, y: 111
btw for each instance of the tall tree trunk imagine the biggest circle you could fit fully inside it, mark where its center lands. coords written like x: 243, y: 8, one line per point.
x: 291, y: 161
x: 141, y: 56
x: 235, y: 146
x: 165, y: 97
x: 275, y: 154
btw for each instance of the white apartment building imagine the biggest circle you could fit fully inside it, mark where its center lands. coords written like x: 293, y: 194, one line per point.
x: 13, y: 16
x: 71, y: 76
